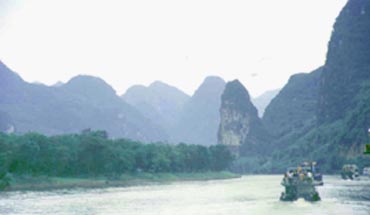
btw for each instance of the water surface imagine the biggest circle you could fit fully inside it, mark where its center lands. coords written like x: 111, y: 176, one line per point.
x: 247, y: 195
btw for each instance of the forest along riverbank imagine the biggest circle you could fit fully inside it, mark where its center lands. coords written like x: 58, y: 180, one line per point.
x: 42, y: 183
x: 91, y: 159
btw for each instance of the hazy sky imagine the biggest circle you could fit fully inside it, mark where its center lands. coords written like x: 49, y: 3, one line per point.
x: 259, y: 42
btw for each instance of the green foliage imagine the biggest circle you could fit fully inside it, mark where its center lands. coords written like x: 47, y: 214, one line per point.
x: 348, y: 61
x: 292, y: 113
x: 93, y: 154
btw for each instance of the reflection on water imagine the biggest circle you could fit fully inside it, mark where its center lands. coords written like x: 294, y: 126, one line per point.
x: 247, y: 195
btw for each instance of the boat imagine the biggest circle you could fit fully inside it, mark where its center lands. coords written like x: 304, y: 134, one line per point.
x: 299, y: 182
x: 350, y: 172
x: 366, y: 171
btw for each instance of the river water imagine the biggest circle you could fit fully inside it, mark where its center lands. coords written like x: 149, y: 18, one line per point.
x: 247, y: 195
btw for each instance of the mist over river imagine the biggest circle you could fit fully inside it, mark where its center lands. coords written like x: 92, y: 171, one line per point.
x: 247, y: 195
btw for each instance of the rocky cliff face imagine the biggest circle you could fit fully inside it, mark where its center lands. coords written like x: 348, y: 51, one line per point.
x: 240, y: 128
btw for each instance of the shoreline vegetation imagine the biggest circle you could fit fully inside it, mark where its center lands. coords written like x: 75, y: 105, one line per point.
x: 33, y: 161
x: 44, y: 183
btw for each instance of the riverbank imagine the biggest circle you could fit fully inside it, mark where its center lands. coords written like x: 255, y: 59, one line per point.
x: 50, y: 183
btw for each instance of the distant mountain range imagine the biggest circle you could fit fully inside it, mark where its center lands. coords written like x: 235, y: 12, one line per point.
x: 159, y: 102
x: 159, y: 112
x: 200, y: 117
x: 186, y: 119
x: 262, y: 101
x: 84, y: 102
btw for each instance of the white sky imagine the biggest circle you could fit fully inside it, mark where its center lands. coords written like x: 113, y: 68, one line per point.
x: 259, y: 42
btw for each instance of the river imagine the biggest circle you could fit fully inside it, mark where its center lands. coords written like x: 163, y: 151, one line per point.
x: 247, y: 195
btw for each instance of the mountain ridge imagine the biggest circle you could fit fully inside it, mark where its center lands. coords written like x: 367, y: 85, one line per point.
x: 199, y: 119
x: 72, y: 108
